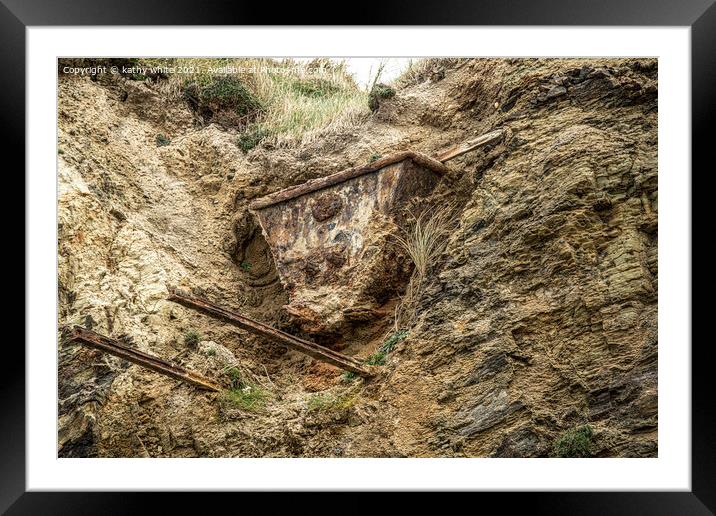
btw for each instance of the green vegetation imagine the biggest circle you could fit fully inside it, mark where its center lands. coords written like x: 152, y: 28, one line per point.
x: 377, y: 93
x: 211, y: 95
x: 348, y: 376
x: 60, y: 151
x: 251, y: 138
x: 279, y: 102
x: 574, y: 443
x: 192, y: 338
x: 162, y: 140
x: 248, y: 397
x: 211, y: 352
x: 245, y: 266
x: 377, y: 358
x: 326, y: 402
x: 373, y: 158
x: 390, y: 343
x: 244, y: 394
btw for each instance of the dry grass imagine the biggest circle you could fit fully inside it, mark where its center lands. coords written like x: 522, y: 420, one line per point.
x: 420, y: 70
x: 300, y: 101
x: 424, y: 240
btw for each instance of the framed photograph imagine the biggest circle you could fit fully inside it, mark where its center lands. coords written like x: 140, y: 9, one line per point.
x: 423, y: 255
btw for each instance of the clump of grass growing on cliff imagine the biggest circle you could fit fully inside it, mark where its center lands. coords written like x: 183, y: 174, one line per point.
x: 192, y: 338
x: 423, y: 240
x: 423, y: 69
x: 349, y: 376
x: 243, y: 393
x: 280, y: 102
x: 389, y: 345
x: 224, y: 99
x: 251, y: 137
x: 377, y: 93
x: 332, y: 402
x: 574, y: 443
x: 377, y: 358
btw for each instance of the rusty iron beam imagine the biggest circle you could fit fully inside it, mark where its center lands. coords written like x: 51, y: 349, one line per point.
x: 264, y: 330
x: 340, y: 177
x: 97, y: 341
x: 459, y: 150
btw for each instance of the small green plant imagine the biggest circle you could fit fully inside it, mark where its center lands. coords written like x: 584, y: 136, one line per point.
x: 377, y: 358
x: 248, y: 397
x: 348, y: 376
x: 162, y: 140
x: 242, y: 393
x: 192, y: 338
x: 245, y: 266
x: 251, y: 138
x: 326, y: 402
x: 211, y: 352
x: 389, y: 345
x: 377, y: 94
x: 575, y: 442
x: 373, y: 158
x: 60, y: 151
x: 222, y: 93
x: 234, y: 377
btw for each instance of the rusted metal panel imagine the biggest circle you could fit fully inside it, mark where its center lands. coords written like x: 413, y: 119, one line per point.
x: 319, y: 234
x: 304, y: 346
x: 97, y: 341
x: 324, y: 182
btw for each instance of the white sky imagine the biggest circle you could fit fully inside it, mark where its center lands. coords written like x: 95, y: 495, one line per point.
x: 364, y: 68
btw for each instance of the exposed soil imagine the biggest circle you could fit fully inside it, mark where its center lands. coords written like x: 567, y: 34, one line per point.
x: 541, y: 315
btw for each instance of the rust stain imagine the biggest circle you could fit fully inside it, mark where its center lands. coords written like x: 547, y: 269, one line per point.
x: 317, y: 235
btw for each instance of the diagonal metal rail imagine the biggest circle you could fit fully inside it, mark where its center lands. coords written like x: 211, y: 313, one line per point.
x: 264, y: 330
x: 97, y: 341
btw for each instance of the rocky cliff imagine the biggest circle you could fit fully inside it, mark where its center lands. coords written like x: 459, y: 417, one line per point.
x: 538, y: 320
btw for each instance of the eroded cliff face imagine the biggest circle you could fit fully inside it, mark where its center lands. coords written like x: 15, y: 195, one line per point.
x: 540, y: 316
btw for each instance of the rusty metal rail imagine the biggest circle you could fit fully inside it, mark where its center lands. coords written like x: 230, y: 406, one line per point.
x: 264, y: 330
x: 459, y: 150
x: 95, y: 340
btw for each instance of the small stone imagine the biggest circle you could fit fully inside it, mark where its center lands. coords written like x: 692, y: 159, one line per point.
x: 556, y: 91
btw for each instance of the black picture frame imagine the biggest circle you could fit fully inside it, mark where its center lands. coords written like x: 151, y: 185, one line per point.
x: 699, y: 15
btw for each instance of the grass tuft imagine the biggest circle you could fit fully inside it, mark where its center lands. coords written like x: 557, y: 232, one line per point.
x: 192, y: 338
x: 377, y: 94
x: 574, y: 443
x: 421, y: 70
x: 377, y: 358
x: 389, y: 345
x: 329, y: 402
x: 278, y: 102
x: 424, y: 241
x: 244, y: 394
x: 348, y: 376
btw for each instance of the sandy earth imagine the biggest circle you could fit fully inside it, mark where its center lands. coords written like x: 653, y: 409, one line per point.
x: 540, y: 315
